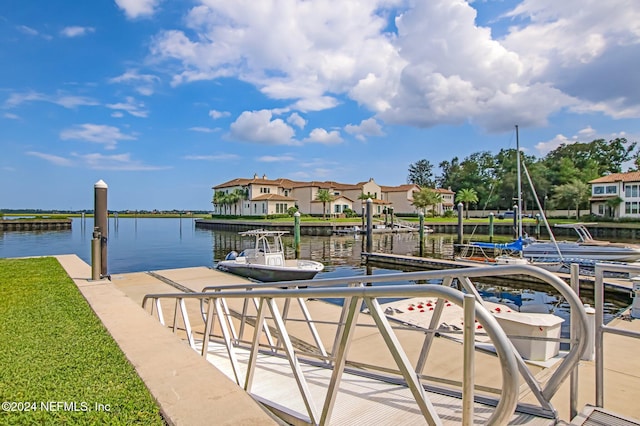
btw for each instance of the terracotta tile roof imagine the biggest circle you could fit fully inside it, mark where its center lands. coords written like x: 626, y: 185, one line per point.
x: 618, y: 177
x: 444, y: 191
x: 273, y: 197
x: 400, y: 188
x: 284, y: 183
x: 329, y: 185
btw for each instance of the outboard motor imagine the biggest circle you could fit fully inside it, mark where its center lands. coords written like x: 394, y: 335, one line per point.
x: 232, y: 255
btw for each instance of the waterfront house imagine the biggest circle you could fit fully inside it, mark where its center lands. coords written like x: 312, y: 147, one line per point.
x: 262, y: 196
x: 616, y: 195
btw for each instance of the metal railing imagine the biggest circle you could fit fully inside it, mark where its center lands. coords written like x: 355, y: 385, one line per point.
x: 601, y: 328
x: 214, y: 303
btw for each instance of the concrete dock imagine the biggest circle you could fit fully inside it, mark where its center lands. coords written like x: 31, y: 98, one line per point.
x: 190, y: 391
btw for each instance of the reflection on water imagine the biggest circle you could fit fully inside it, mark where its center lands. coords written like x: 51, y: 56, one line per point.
x: 153, y: 244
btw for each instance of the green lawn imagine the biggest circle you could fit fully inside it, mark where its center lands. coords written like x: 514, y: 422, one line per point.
x: 57, y: 356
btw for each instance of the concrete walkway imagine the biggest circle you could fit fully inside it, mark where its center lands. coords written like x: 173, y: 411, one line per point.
x: 188, y: 389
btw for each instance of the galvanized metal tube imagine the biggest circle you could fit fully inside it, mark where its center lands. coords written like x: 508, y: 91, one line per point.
x: 468, y: 372
x: 598, y: 296
x: 574, y: 334
x: 96, y: 255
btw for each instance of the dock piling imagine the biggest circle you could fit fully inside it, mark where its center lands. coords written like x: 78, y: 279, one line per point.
x: 460, y: 224
x: 101, y: 221
x: 491, y: 227
x: 296, y: 233
x: 369, y: 224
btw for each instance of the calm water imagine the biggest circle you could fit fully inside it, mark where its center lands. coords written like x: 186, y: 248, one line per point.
x: 153, y: 244
x: 150, y: 244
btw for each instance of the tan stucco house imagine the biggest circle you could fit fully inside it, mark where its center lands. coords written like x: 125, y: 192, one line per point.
x: 263, y: 196
x: 616, y: 195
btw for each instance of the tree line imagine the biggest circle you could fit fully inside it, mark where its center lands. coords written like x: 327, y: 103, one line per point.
x: 560, y: 179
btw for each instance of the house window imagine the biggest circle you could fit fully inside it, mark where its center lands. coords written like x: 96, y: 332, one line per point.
x: 265, y: 190
x: 634, y: 207
x: 336, y: 208
x: 597, y: 190
x: 627, y: 208
x: 281, y: 208
x: 634, y: 191
x: 612, y: 189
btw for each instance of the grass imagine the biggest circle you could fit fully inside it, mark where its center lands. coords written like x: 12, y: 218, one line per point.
x: 54, y: 350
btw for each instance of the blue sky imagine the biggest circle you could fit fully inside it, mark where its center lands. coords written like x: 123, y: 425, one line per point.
x: 164, y: 99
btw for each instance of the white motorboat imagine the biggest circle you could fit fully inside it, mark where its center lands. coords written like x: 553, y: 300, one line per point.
x: 266, y: 261
x: 585, y: 248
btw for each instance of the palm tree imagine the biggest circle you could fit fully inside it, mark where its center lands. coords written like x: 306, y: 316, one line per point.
x: 613, y: 204
x: 325, y: 197
x: 425, y: 198
x: 219, y: 199
x: 238, y: 195
x: 466, y: 196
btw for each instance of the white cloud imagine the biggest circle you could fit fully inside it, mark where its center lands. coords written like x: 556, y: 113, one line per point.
x: 28, y: 30
x: 96, y: 133
x: 53, y: 159
x: 76, y: 31
x: 257, y: 126
x: 586, y: 132
x: 295, y: 120
x: 143, y: 83
x: 138, y: 8
x: 322, y: 136
x: 441, y: 67
x: 117, y: 114
x: 218, y: 114
x: 122, y: 162
x: 544, y: 148
x: 219, y: 157
x: 11, y: 116
x: 131, y: 106
x: 275, y: 158
x: 203, y: 129
x: 368, y: 127
x: 295, y: 50
x: 67, y: 101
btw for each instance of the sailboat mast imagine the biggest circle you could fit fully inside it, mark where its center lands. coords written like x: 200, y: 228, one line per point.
x: 519, y: 213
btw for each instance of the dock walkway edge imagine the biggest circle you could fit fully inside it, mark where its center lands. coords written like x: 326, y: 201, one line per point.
x: 187, y: 388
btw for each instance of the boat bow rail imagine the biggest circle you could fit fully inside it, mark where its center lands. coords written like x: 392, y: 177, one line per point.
x: 228, y: 314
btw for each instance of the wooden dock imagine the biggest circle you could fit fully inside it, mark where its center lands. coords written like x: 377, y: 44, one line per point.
x: 34, y: 224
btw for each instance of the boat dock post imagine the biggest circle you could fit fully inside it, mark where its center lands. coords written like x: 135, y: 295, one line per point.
x: 421, y: 216
x: 101, y: 221
x: 296, y: 233
x: 460, y: 225
x: 369, y: 224
x: 491, y: 227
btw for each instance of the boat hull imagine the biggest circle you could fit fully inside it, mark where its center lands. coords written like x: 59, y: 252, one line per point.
x: 303, y: 270
x: 581, y: 251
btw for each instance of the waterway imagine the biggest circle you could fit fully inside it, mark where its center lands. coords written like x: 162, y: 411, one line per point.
x: 148, y: 244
